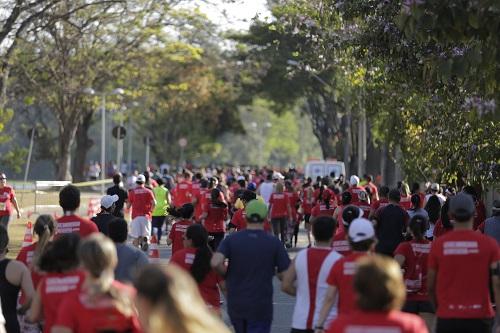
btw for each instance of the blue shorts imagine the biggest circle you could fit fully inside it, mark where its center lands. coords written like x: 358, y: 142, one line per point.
x: 249, y: 326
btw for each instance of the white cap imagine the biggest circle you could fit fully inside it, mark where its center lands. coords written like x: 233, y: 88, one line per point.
x: 354, y: 180
x: 108, y: 200
x: 240, y: 178
x: 361, y: 229
x: 435, y: 187
x: 140, y: 179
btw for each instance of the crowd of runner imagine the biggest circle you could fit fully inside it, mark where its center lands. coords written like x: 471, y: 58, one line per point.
x: 413, y: 260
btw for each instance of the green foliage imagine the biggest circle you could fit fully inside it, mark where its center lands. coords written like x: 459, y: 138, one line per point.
x: 15, y: 159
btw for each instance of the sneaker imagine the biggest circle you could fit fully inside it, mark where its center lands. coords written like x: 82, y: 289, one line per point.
x: 144, y: 244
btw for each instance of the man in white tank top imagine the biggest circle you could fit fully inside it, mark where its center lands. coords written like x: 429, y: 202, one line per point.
x: 306, y: 277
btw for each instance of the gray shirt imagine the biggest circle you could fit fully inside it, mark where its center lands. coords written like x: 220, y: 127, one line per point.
x: 492, y: 227
x: 130, y: 260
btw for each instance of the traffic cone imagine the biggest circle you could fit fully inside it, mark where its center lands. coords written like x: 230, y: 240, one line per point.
x: 28, y: 235
x: 154, y: 254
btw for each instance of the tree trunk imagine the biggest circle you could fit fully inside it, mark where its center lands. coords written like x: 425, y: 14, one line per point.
x: 66, y: 137
x: 83, y: 145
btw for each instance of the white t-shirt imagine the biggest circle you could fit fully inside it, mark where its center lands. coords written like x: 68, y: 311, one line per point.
x: 266, y: 189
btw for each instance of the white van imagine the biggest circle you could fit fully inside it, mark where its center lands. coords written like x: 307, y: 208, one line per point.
x: 322, y: 168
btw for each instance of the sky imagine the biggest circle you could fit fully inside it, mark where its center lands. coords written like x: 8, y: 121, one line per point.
x: 238, y: 13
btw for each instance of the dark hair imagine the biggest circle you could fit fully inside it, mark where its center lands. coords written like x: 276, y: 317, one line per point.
x: 201, y: 263
x: 324, y: 228
x: 117, y: 178
x: 418, y: 225
x: 159, y: 181
x: 248, y: 196
x: 118, y: 230
x: 369, y: 178
x: 198, y: 176
x: 185, y: 212
x: 215, y: 198
x: 445, y: 218
x: 69, y: 198
x: 349, y: 213
x: 44, y: 228
x: 203, y: 183
x: 471, y: 191
x: 346, y: 198
x: 415, y: 201
x: 394, y: 195
x: 61, y: 254
x: 433, y: 208
x: 212, y: 182
x: 242, y: 183
x: 415, y: 187
x: 4, y: 238
x: 384, y: 191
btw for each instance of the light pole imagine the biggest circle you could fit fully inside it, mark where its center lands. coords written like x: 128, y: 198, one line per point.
x: 90, y: 91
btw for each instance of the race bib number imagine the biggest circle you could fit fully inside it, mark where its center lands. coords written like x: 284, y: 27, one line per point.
x: 3, y: 206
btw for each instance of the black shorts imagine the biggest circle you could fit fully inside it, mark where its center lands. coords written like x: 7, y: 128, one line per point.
x: 417, y: 307
x: 307, y: 217
x: 460, y: 325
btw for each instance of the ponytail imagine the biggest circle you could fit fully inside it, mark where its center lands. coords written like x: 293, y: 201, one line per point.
x: 44, y: 228
x: 201, y: 263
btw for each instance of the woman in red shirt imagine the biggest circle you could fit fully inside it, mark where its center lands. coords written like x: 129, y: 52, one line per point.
x: 7, y: 200
x: 62, y: 277
x: 380, y: 293
x: 324, y: 206
x: 176, y: 234
x: 293, y: 223
x: 195, y: 258
x: 443, y: 225
x: 103, y: 304
x: 215, y: 217
x: 306, y: 201
x: 412, y: 257
x: 279, y: 211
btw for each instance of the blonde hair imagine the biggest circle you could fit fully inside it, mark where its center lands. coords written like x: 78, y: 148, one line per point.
x: 279, y: 187
x: 405, y: 189
x: 378, y: 284
x: 98, y: 256
x: 176, y: 302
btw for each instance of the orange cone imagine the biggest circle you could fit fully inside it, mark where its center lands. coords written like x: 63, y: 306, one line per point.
x: 154, y: 253
x: 28, y: 235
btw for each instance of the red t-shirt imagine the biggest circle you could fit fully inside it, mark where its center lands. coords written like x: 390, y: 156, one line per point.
x: 355, y: 190
x: 80, y: 314
x: 322, y: 210
x: 239, y: 220
x: 378, y: 322
x: 279, y: 202
x: 479, y: 214
x: 177, y: 234
x: 307, y: 203
x: 293, y: 199
x: 405, y: 202
x: 380, y: 203
x: 54, y: 288
x: 74, y: 223
x: 340, y: 243
x: 341, y: 276
x: 365, y: 207
x: 217, y: 215
x: 462, y: 260
x: 25, y: 256
x: 416, y: 255
x: 209, y: 289
x: 439, y: 229
x: 329, y: 193
x: 373, y: 190
x: 141, y: 199
x: 182, y: 193
x: 6, y: 195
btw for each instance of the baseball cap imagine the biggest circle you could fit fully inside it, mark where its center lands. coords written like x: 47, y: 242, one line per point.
x: 108, y: 200
x: 240, y: 178
x: 462, y: 206
x: 435, y: 187
x: 350, y: 213
x: 256, y: 211
x: 252, y: 186
x: 354, y: 180
x: 141, y: 179
x: 361, y: 229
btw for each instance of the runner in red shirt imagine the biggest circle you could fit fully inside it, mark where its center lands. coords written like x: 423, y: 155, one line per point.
x: 306, y: 201
x: 176, y: 235
x: 69, y: 200
x: 324, y: 206
x: 279, y: 211
x: 293, y: 201
x: 239, y: 219
x: 340, y: 241
x: 142, y: 201
x: 443, y: 224
x: 7, y: 200
x: 355, y: 189
x: 373, y: 188
x: 405, y: 201
x: 412, y: 256
x: 44, y: 229
x: 60, y: 280
x: 183, y: 191
x: 103, y: 304
x: 380, y: 294
x: 214, y: 218
x: 382, y: 202
x: 362, y: 241
x: 195, y: 258
x: 459, y: 269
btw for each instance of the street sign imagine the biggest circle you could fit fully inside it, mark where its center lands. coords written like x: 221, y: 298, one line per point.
x: 123, y: 132
x: 183, y: 142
